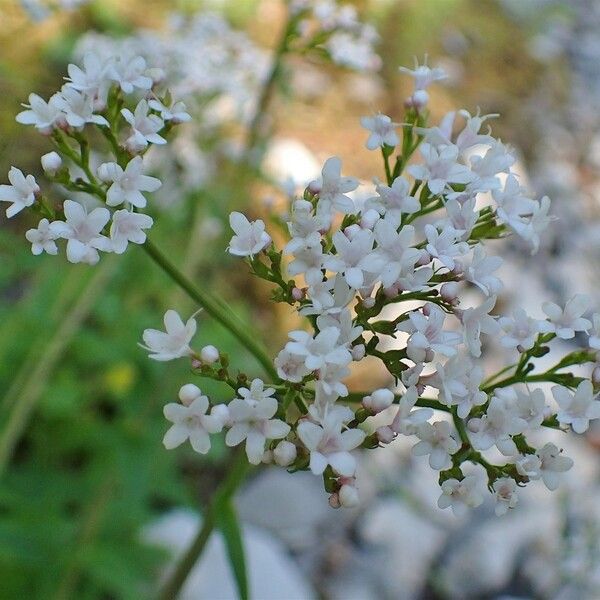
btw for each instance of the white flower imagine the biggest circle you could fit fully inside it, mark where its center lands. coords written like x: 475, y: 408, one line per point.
x: 529, y: 405
x: 354, y: 257
x: 553, y: 463
x: 42, y: 238
x: 427, y: 333
x: 505, y: 490
x: 383, y: 131
x: 406, y: 421
x: 321, y: 350
x: 290, y: 366
x: 512, y: 204
x: 21, y: 192
x: 92, y: 79
x: 538, y: 223
x: 497, y: 425
x: 127, y: 184
x: 304, y: 227
x: 250, y: 236
x: 341, y: 320
x: 529, y: 466
x: 521, y: 330
x: 308, y: 261
x: 129, y: 74
x: 440, y: 168
x: 577, y: 409
x: 333, y: 189
x: 329, y: 445
x: 460, y: 495
x: 128, y: 227
x: 479, y: 272
x: 436, y: 440
x: 144, y: 127
x: 594, y: 340
x: 461, y: 215
x: 496, y: 160
x: 565, y: 322
x: 445, y: 245
x: 423, y: 75
x: 251, y: 418
x: 83, y: 232
x: 175, y: 113
x: 78, y: 108
x: 191, y: 422
x: 395, y: 199
x: 43, y: 115
x: 172, y: 343
x: 476, y: 321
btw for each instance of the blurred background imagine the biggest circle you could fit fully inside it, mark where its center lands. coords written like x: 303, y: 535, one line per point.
x: 91, y: 505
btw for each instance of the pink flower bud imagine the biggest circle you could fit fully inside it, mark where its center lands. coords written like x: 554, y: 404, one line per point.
x: 334, y: 500
x: 298, y: 294
x: 449, y: 291
x: 358, y: 352
x: 424, y: 260
x: 369, y: 219
x: 385, y: 434
x: 348, y: 496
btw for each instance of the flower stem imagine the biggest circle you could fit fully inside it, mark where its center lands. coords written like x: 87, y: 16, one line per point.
x: 214, y: 308
x: 236, y: 471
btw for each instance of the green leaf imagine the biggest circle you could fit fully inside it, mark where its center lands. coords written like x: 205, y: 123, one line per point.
x: 229, y: 526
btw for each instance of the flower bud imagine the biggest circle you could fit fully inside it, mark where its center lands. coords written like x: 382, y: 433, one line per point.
x: 378, y: 400
x: 298, y: 294
x: 419, y: 99
x: 352, y: 230
x: 108, y: 172
x: 385, y: 434
x: 51, y: 163
x: 358, y: 352
x: 596, y: 375
x: 348, y: 496
x: 284, y: 453
x: 334, y: 500
x: 449, y: 291
x: 369, y: 218
x: 267, y: 457
x: 425, y: 259
x: 209, y: 355
x: 221, y: 412
x: 368, y: 302
x: 188, y: 393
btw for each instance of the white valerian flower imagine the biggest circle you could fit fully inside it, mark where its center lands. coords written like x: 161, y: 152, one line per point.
x: 552, y: 464
x: 304, y: 227
x: 505, y: 490
x: 382, y: 131
x: 462, y: 216
x: 328, y: 444
x: 250, y: 236
x: 42, y: 238
x: 308, y: 261
x: 497, y: 425
x: 319, y: 351
x: 172, y: 343
x: 251, y: 420
x: 78, y: 108
x: 496, y: 160
x: 424, y: 76
x: 565, y: 322
x: 577, y: 409
x: 176, y: 112
x: 44, y: 116
x: 521, y: 330
x: 427, y: 333
x: 479, y: 272
x: 127, y: 184
x: 129, y: 73
x: 594, y: 339
x: 445, y: 245
x: 537, y: 224
x: 332, y: 189
x: 436, y: 440
x: 341, y: 320
x: 92, y: 79
x: 144, y: 127
x: 476, y: 321
x: 190, y: 421
x: 460, y: 495
x: 407, y: 421
x: 512, y: 204
x: 20, y: 193
x: 128, y: 227
x: 440, y: 168
x: 83, y: 232
x: 529, y: 405
x: 290, y: 366
x: 394, y: 199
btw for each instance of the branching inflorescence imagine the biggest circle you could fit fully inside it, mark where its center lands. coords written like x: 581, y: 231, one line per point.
x: 390, y: 269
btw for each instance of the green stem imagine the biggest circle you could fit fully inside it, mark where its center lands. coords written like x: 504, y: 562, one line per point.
x: 236, y: 470
x: 214, y: 308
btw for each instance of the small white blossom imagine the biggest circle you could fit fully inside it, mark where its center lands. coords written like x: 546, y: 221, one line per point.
x: 250, y: 236
x: 445, y: 245
x: 521, y: 330
x: 460, y: 495
x: 172, y: 343
x: 92, y: 79
x: 127, y: 184
x: 506, y: 496
x: 553, y: 463
x: 407, y: 421
x: 394, y: 199
x: 130, y: 74
x: 191, y: 422
x: 144, y: 127
x: 437, y: 441
x: 44, y: 116
x: 83, y: 232
x: 476, y: 321
x: 333, y: 189
x: 594, y: 339
x: 42, y: 238
x: 78, y: 108
x: 565, y: 322
x: 382, y: 131
x: 423, y: 75
x: 479, y: 272
x: 321, y: 350
x: 577, y: 409
x: 529, y: 466
x: 128, y: 227
x: 21, y: 192
x: 175, y: 113
x: 251, y: 418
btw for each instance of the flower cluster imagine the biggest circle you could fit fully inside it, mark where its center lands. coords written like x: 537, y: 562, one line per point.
x: 384, y: 278
x: 118, y: 96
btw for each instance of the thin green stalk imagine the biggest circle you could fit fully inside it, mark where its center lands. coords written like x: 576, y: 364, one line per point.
x: 236, y: 471
x: 214, y: 308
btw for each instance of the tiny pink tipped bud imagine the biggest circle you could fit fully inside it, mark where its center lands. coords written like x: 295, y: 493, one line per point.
x: 298, y: 294
x: 385, y: 434
x: 449, y: 291
x: 334, y: 500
